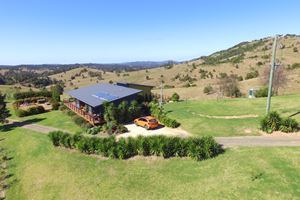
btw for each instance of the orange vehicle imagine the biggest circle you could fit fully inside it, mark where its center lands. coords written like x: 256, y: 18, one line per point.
x: 148, y: 122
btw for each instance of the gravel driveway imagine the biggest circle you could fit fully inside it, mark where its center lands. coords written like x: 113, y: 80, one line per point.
x: 134, y: 131
x: 276, y: 139
x: 266, y: 141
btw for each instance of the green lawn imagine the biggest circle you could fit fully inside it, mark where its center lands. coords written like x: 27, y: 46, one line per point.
x: 187, y: 113
x: 56, y: 119
x: 41, y: 171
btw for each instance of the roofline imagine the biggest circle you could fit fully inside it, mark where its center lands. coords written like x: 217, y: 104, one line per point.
x: 104, y: 101
x: 67, y: 92
x: 136, y: 84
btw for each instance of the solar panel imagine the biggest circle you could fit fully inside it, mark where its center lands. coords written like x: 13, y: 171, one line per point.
x: 105, y: 96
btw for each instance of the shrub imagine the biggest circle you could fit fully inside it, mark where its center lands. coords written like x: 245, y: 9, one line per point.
x: 54, y: 136
x: 79, y: 120
x: 259, y: 63
x: 55, y: 105
x: 262, y: 92
x: 94, y: 130
x: 288, y: 125
x: 295, y: 49
x: 121, y: 129
x: 170, y: 147
x: 271, y: 122
x: 294, y: 66
x: 196, y: 148
x: 30, y: 111
x: 143, y: 146
x: 63, y: 108
x: 172, y: 123
x: 161, y: 116
x: 252, y: 74
x: 84, y: 146
x: 121, y: 149
x: 70, y: 113
x: 208, y: 89
x: 175, y: 97
x: 110, y: 127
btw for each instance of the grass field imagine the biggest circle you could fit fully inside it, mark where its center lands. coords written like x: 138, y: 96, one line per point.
x: 41, y: 171
x: 56, y: 119
x: 190, y: 114
x: 9, y: 90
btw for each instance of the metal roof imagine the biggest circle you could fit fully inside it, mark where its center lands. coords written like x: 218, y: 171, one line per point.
x: 95, y: 95
x: 135, y: 84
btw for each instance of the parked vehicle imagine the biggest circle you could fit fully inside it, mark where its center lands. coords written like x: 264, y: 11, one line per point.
x: 147, y: 122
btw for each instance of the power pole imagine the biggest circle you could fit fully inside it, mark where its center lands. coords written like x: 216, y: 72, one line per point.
x: 161, y: 94
x: 273, y: 65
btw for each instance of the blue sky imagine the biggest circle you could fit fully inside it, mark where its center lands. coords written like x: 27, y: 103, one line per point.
x: 80, y: 31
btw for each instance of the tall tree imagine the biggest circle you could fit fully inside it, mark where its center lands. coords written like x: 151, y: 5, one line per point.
x: 56, y: 90
x: 4, y: 113
x: 229, y: 86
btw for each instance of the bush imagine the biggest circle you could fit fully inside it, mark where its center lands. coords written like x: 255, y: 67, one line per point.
x: 63, y: 108
x: 54, y: 136
x: 273, y: 122
x: 196, y: 148
x: 70, y: 113
x: 80, y: 121
x: 294, y: 66
x: 161, y: 116
x: 208, y: 89
x: 121, y: 129
x: 288, y: 125
x: 252, y: 74
x: 175, y: 97
x: 172, y: 123
x: 295, y: 49
x: 30, y: 111
x: 94, y: 130
x: 262, y: 92
x: 55, y: 105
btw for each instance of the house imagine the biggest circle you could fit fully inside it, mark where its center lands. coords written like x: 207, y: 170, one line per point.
x: 88, y: 101
x: 146, y: 89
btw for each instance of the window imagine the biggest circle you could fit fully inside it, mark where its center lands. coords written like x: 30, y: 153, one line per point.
x: 152, y: 121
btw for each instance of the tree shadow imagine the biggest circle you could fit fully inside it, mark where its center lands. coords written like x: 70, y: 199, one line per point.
x: 15, y: 124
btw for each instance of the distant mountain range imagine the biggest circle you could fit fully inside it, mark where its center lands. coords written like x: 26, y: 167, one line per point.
x: 110, y: 66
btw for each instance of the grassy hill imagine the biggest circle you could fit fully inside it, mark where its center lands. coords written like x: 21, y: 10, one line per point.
x: 189, y: 78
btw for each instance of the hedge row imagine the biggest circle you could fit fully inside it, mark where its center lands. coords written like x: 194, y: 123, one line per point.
x: 30, y: 111
x: 196, y: 148
x: 29, y: 94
